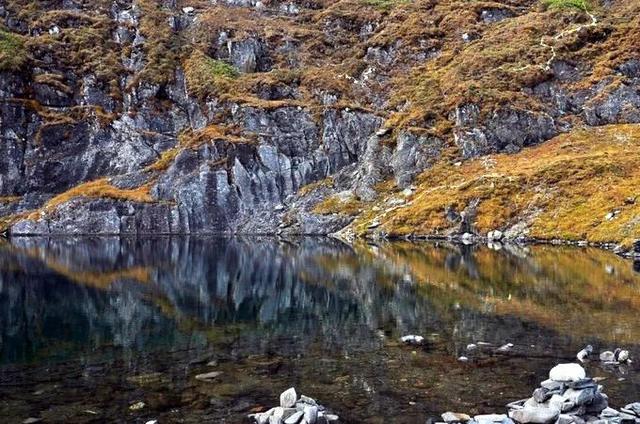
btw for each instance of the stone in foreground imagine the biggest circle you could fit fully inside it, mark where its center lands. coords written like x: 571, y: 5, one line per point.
x: 535, y: 415
x: 567, y: 372
x: 288, y: 398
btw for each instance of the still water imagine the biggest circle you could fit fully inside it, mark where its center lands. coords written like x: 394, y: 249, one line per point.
x: 91, y: 326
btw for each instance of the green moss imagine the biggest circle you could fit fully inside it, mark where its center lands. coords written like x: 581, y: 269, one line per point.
x: 13, y: 55
x: 206, y: 75
x: 383, y: 4
x: 568, y: 4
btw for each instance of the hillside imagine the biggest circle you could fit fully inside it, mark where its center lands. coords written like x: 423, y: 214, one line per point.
x: 369, y: 117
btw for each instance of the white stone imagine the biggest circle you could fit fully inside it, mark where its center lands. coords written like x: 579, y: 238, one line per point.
x: 567, y: 372
x: 311, y: 414
x: 188, y: 10
x: 208, y: 376
x: 490, y: 418
x: 534, y: 415
x: 288, y: 398
x: 455, y: 417
x: 412, y: 339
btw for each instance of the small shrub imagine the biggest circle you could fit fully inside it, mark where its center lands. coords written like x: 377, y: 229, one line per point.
x: 13, y: 55
x: 568, y: 4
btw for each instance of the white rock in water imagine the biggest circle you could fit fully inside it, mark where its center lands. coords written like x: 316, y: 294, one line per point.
x: 208, y: 376
x: 567, y: 372
x: 412, y: 339
x: 288, y: 398
x: 472, y: 346
x: 463, y: 359
x: 505, y: 348
x: 188, y: 10
x: 152, y: 422
x: 331, y: 417
x: 623, y: 356
x: 532, y: 415
x: 607, y: 356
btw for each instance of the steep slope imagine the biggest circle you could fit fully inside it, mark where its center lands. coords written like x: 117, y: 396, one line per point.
x: 152, y: 116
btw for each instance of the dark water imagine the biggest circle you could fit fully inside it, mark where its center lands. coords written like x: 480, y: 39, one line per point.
x: 90, y: 326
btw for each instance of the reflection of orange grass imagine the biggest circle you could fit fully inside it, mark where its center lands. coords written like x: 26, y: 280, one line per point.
x: 96, y: 279
x: 100, y: 279
x: 561, y: 288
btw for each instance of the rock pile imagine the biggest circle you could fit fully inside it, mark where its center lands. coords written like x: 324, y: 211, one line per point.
x: 567, y: 397
x: 295, y: 410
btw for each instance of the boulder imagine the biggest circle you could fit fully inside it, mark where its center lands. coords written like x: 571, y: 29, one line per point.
x: 567, y: 372
x: 288, y: 398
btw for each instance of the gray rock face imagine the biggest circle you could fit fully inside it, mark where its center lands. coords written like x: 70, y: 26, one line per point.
x: 506, y: 130
x: 249, y: 55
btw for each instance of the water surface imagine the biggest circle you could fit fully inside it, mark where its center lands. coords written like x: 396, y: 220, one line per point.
x: 90, y: 326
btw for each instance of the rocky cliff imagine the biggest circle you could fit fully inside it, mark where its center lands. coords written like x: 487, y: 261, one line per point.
x: 243, y: 116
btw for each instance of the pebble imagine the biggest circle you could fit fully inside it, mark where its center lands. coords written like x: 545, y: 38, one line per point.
x: 412, y: 339
x: 137, y: 406
x: 208, y: 376
x: 567, y: 372
x: 31, y: 420
x: 505, y: 348
x: 584, y: 353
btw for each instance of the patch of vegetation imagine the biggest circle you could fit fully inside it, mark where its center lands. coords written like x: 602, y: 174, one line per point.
x: 568, y: 4
x: 578, y: 186
x: 207, y: 76
x: 163, y: 47
x: 384, y: 4
x: 336, y: 204
x: 96, y: 189
x: 13, y: 54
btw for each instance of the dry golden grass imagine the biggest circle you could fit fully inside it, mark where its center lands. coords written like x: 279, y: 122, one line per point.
x: 100, y: 188
x: 566, y: 187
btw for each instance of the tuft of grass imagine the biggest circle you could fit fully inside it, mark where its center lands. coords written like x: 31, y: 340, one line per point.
x: 206, y: 76
x: 13, y: 55
x: 568, y: 4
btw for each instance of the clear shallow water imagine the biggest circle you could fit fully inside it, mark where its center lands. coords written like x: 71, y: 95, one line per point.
x: 89, y: 326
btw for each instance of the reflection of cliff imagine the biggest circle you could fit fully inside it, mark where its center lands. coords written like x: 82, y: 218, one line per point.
x: 65, y: 294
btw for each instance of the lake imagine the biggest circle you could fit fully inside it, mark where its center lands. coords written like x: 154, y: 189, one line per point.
x: 91, y: 326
